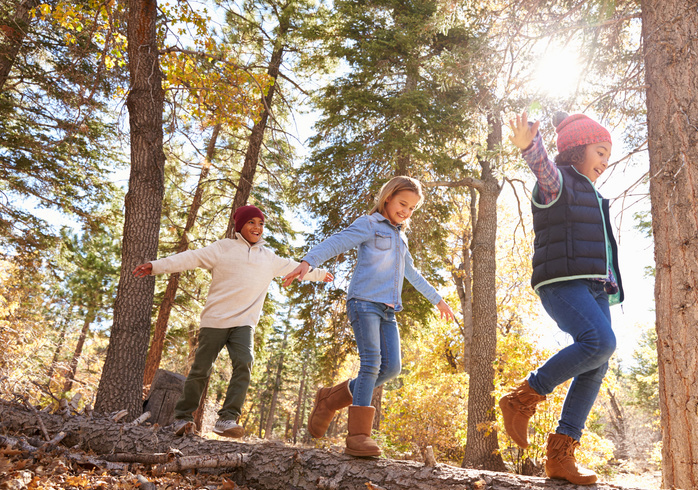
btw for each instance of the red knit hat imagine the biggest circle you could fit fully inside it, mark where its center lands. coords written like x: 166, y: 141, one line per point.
x: 245, y: 213
x: 578, y: 130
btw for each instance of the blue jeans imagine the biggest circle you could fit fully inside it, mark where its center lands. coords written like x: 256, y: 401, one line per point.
x: 378, y: 341
x: 580, y: 308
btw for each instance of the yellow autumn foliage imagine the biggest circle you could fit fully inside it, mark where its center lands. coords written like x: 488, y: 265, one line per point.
x: 430, y: 406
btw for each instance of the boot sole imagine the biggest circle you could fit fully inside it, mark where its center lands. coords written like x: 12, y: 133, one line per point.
x: 589, y: 481
x: 234, y: 433
x: 362, y: 454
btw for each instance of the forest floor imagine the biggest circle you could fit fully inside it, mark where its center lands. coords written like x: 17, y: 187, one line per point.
x: 51, y: 470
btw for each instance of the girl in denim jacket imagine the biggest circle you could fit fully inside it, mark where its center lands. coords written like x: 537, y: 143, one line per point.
x: 383, y: 261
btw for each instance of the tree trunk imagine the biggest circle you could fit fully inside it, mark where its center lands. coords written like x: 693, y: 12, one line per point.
x: 167, y: 387
x: 377, y: 403
x: 620, y: 452
x: 298, y: 417
x: 59, y: 347
x: 121, y: 384
x: 73, y: 368
x: 482, y: 448
x: 13, y: 30
x: 254, y: 146
x: 271, y: 466
x: 276, y: 387
x: 152, y: 362
x: 670, y: 39
x: 462, y: 277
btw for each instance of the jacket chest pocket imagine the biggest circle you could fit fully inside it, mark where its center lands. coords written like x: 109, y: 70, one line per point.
x: 384, y: 241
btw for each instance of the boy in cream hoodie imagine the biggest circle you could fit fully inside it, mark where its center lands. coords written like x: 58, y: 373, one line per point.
x: 242, y: 269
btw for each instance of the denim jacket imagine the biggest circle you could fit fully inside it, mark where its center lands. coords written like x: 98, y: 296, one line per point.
x: 382, y: 264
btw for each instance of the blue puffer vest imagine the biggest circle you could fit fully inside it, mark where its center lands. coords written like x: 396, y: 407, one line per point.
x: 573, y: 235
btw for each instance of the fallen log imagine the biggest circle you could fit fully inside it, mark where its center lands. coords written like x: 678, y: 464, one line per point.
x: 268, y: 465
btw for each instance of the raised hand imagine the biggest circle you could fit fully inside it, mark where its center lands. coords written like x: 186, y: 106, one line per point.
x: 523, y: 133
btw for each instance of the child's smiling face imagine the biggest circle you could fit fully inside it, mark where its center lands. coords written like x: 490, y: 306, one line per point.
x: 252, y: 230
x: 595, y: 162
x: 400, y: 206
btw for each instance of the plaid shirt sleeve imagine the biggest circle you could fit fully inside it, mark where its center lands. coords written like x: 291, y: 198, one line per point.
x: 544, y: 169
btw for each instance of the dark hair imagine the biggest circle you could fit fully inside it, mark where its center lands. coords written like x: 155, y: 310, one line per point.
x: 571, y: 156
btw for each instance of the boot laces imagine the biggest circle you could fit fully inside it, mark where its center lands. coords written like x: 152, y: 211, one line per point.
x: 526, y: 401
x: 567, y: 451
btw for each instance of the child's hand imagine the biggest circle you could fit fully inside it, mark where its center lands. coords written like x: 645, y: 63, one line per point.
x: 299, y: 272
x: 143, y: 270
x: 523, y: 133
x: 328, y: 277
x: 446, y: 311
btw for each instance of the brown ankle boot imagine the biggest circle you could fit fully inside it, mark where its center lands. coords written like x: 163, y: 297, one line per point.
x: 327, y: 402
x: 561, y: 463
x: 518, y: 407
x: 359, y: 442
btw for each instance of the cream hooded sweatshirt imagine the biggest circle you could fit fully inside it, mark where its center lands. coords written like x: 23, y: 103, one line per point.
x: 240, y: 277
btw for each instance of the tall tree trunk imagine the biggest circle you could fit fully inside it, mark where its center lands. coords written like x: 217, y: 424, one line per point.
x: 13, y: 30
x: 73, y: 368
x: 482, y: 448
x: 670, y: 35
x: 462, y: 277
x: 276, y: 387
x: 152, y: 362
x: 121, y: 384
x: 299, y: 403
x: 254, y: 146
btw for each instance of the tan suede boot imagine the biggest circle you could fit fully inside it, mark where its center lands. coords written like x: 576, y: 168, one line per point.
x: 561, y: 463
x: 518, y: 407
x: 359, y: 442
x: 327, y: 402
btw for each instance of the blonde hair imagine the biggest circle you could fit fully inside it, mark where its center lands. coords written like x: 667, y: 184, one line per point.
x: 394, y: 186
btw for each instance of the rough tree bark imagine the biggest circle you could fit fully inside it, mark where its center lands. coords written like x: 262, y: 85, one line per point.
x: 670, y: 38
x: 121, y: 384
x: 271, y: 466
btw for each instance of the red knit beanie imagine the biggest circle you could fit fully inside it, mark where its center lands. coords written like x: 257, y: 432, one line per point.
x: 245, y: 213
x: 578, y: 130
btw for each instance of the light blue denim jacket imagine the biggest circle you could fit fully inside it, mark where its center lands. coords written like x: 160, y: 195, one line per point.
x: 382, y: 264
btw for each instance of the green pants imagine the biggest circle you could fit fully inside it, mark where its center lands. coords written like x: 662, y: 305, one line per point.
x: 239, y: 341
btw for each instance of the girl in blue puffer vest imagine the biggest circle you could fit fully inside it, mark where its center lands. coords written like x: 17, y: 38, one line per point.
x: 576, y: 275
